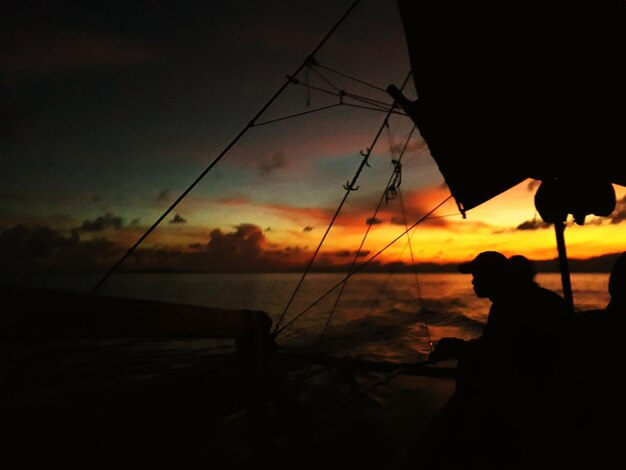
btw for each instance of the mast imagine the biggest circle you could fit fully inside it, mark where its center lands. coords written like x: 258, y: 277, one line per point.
x: 559, y: 230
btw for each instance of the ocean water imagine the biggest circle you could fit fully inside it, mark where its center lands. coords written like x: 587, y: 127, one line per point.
x: 377, y: 316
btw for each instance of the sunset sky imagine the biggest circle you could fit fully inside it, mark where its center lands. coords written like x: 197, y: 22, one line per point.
x: 110, y: 109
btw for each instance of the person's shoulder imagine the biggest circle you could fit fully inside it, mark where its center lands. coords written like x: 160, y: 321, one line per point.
x: 548, y: 295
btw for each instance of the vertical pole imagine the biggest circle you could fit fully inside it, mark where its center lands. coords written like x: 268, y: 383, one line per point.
x: 251, y: 349
x: 559, y: 230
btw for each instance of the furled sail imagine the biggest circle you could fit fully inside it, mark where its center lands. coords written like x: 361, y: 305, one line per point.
x: 509, y: 90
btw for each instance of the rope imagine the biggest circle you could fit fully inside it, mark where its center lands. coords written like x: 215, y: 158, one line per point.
x: 318, y: 345
x: 228, y: 147
x: 345, y: 75
x: 358, y: 251
x: 342, y: 93
x: 419, y: 290
x: 362, y: 265
x: 323, y: 108
x: 349, y: 187
x: 317, y: 72
x: 297, y: 114
x: 368, y: 100
x: 390, y: 111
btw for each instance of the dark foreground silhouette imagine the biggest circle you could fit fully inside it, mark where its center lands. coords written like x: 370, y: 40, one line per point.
x: 553, y: 397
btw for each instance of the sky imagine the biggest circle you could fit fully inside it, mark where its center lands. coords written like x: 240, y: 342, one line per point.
x: 111, y: 109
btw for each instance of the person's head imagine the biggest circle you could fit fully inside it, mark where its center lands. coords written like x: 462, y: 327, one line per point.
x: 490, y: 273
x: 617, y: 281
x: 521, y: 269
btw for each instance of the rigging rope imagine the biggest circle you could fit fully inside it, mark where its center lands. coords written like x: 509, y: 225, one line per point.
x: 419, y: 290
x: 375, y: 105
x: 349, y: 187
x: 228, y: 147
x: 358, y: 251
x: 362, y: 265
x: 345, y: 75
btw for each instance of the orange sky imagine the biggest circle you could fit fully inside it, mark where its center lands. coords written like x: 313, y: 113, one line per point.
x: 114, y: 124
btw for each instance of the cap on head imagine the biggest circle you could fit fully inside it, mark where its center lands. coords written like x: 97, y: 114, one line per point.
x: 487, y: 262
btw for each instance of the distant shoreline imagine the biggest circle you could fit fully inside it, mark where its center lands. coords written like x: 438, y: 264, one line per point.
x: 598, y: 264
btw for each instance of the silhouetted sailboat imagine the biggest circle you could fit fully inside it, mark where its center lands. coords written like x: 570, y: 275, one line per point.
x: 536, y: 87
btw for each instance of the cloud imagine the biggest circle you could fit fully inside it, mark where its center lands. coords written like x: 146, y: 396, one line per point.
x: 350, y: 253
x: 271, y: 162
x: 307, y: 229
x: 618, y: 217
x: 101, y: 223
x: 534, y: 224
x: 373, y: 221
x: 134, y: 222
x: 178, y: 220
x: 26, y: 248
x: 533, y: 185
x: 164, y: 195
x: 619, y: 214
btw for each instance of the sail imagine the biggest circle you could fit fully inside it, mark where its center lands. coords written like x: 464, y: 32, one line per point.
x: 509, y: 90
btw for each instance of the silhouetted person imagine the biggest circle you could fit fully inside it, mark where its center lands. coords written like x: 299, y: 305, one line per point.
x: 593, y: 383
x: 502, y: 375
x: 524, y: 324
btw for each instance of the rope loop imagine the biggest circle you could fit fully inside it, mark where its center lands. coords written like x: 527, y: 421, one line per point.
x: 392, y: 190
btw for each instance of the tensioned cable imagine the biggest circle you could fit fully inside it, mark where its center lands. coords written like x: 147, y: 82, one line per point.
x: 417, y: 282
x: 229, y: 146
x: 346, y: 93
x: 345, y: 75
x: 328, y: 82
x: 342, y: 93
x: 367, y: 100
x: 318, y: 300
x: 358, y: 251
x: 349, y: 187
x: 365, y: 263
x: 323, y: 108
x: 383, y: 197
x: 392, y: 111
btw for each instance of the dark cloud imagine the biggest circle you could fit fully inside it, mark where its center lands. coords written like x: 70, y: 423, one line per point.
x: 350, y: 253
x: 533, y: 185
x: 619, y: 214
x: 134, y: 222
x: 397, y: 221
x: 534, y: 224
x: 25, y: 248
x: 178, y: 219
x: 244, y: 241
x: 272, y: 162
x: 618, y: 217
x: 102, y: 223
x: 164, y: 195
x: 373, y: 221
x: 307, y: 229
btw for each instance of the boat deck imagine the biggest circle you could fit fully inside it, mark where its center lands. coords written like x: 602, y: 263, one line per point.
x: 95, y: 403
x: 92, y: 381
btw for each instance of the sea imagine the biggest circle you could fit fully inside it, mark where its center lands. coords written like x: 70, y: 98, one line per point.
x: 392, y: 317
